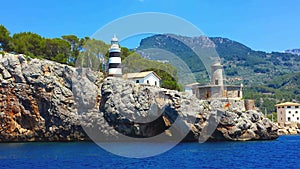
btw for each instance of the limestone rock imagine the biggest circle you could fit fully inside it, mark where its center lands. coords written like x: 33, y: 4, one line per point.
x: 41, y: 100
x: 289, y: 128
x: 37, y: 101
x: 146, y: 111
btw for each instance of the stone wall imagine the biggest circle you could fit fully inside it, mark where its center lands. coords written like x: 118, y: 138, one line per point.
x: 250, y: 104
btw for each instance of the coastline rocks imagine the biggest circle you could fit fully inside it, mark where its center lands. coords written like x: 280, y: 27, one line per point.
x: 146, y: 111
x: 41, y: 100
x: 289, y: 128
x: 243, y: 126
x: 37, y: 101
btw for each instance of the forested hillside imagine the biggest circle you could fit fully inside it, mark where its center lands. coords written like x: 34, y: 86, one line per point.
x: 269, y: 78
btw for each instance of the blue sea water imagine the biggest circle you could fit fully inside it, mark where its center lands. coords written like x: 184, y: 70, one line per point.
x: 280, y: 153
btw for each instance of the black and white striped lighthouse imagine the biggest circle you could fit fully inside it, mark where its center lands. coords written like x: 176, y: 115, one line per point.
x: 114, y: 63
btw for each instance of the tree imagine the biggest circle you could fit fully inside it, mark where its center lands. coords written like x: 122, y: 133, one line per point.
x: 125, y: 52
x: 168, y: 81
x: 76, y: 46
x: 4, y: 39
x: 57, y: 50
x: 92, y: 54
x: 29, y: 43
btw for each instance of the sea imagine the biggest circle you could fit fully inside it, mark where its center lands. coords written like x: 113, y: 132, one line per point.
x: 282, y: 153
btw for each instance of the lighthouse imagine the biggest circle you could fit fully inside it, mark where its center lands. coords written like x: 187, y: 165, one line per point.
x: 114, y: 63
x: 217, y: 89
x: 217, y: 74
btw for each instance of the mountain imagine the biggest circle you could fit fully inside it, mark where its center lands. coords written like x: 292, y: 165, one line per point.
x: 269, y: 77
x: 293, y: 51
x: 240, y: 62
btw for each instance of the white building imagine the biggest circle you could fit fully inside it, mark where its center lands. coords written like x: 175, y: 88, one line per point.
x: 149, y: 77
x: 288, y: 111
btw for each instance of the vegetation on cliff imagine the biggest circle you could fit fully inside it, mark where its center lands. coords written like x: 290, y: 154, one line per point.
x: 82, y: 52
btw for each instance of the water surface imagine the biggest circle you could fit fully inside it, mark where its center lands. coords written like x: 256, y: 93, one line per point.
x: 280, y: 153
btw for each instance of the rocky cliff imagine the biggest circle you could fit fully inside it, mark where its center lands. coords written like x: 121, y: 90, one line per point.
x: 42, y: 100
x: 37, y: 101
x: 131, y: 110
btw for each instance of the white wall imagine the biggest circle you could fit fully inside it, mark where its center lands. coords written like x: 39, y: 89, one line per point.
x: 115, y: 71
x: 151, y: 78
x: 293, y: 114
x: 141, y: 81
x: 115, y: 60
x: 188, y: 90
x: 285, y: 114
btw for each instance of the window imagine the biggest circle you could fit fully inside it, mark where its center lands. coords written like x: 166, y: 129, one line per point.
x: 281, y: 112
x: 288, y: 106
x: 289, y: 119
x: 289, y: 112
x: 293, y: 115
x: 207, y: 94
x: 282, y: 107
x: 297, y: 118
x: 148, y: 82
x: 296, y: 112
x: 137, y: 81
x: 281, y: 118
x: 296, y: 107
x: 155, y: 83
x: 216, y: 82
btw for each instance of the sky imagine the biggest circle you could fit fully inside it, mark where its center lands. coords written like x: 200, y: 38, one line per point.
x: 266, y: 25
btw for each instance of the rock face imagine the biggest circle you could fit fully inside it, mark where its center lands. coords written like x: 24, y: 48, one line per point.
x: 42, y: 100
x: 37, y: 102
x: 242, y: 126
x: 127, y: 106
x: 145, y: 111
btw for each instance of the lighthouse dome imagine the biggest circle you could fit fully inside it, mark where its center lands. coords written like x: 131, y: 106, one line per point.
x: 114, y: 39
x: 114, y: 45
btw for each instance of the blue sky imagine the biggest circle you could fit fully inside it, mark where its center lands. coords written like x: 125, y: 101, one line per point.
x: 268, y: 25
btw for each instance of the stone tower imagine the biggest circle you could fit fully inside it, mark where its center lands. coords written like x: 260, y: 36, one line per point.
x: 114, y: 63
x: 217, y: 74
x: 217, y: 88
